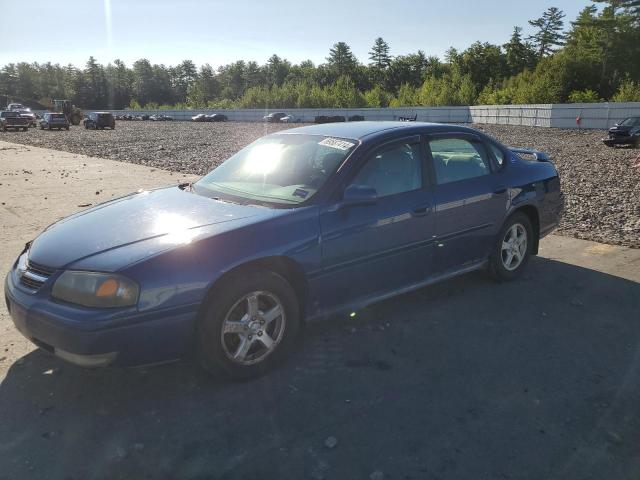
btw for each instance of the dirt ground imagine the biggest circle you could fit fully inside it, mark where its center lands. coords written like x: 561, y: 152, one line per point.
x: 538, y: 378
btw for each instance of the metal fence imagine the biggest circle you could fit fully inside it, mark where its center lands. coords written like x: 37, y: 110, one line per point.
x: 577, y: 115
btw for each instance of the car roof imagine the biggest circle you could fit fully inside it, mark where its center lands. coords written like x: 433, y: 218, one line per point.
x: 360, y: 130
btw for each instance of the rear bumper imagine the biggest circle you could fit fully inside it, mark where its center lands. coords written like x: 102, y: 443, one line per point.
x: 88, y: 342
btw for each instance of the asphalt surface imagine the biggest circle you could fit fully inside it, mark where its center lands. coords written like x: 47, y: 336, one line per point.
x: 537, y: 378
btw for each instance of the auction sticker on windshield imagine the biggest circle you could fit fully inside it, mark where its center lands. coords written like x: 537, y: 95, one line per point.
x: 336, y: 143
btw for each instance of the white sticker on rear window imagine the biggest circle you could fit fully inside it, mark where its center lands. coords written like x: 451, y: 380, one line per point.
x: 336, y: 143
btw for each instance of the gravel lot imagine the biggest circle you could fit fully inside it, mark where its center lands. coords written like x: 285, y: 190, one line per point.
x: 464, y: 379
x: 602, y: 187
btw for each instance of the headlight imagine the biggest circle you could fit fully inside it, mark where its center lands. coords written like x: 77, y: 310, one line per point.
x: 96, y: 289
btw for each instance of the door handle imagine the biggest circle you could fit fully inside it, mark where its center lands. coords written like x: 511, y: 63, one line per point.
x: 421, y: 210
x: 500, y: 189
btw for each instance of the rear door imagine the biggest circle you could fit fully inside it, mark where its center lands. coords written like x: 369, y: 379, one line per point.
x: 470, y: 200
x: 372, y: 249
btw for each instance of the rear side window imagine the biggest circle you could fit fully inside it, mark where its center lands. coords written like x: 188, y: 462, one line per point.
x: 456, y: 159
x: 392, y: 170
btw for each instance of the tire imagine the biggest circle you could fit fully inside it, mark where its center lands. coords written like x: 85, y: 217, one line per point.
x: 25, y: 129
x: 49, y: 127
x: 504, y: 264
x: 66, y: 128
x: 230, y: 307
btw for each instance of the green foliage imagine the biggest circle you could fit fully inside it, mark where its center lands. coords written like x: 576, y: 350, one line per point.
x: 584, y: 96
x: 629, y: 91
x: 594, y: 60
x: 377, y: 97
x: 407, y: 96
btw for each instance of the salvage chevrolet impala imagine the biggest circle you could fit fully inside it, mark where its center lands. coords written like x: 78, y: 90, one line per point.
x: 302, y: 224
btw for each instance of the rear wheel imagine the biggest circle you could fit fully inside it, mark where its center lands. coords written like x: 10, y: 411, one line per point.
x: 512, y: 248
x: 249, y: 325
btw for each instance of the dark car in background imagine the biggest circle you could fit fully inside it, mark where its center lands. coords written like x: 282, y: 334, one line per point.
x: 214, y: 117
x: 100, y: 121
x: 302, y: 224
x: 161, y: 118
x: 217, y: 117
x: 626, y: 132
x: 50, y: 121
x: 12, y: 120
x: 277, y: 117
x: 28, y: 114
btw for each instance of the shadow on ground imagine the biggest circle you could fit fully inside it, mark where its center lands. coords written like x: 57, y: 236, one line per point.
x: 534, y: 379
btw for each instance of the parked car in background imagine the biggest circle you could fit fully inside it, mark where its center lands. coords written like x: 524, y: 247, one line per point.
x: 314, y: 222
x: 329, y: 119
x: 217, y: 117
x: 15, y: 106
x: 276, y: 117
x: 51, y: 120
x: 160, y: 118
x: 14, y: 121
x: 99, y: 120
x: 28, y: 114
x: 201, y: 117
x: 626, y: 132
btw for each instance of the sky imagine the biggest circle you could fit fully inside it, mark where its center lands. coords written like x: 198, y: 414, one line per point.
x: 219, y: 32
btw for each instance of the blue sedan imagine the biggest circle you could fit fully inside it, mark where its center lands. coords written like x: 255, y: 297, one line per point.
x: 302, y: 224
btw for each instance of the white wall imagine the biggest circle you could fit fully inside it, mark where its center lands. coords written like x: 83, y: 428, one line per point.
x: 592, y: 115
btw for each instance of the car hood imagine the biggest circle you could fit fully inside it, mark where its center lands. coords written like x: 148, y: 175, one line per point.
x: 146, y: 223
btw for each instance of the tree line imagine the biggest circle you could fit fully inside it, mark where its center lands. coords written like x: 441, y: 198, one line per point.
x: 595, y: 58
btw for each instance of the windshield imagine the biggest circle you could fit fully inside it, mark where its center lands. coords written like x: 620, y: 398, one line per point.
x: 285, y: 169
x: 9, y: 114
x: 631, y: 121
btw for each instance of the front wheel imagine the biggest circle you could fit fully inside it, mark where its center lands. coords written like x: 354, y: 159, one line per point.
x: 248, y: 326
x: 512, y: 248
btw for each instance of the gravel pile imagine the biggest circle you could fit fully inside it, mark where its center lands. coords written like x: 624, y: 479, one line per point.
x: 601, y: 186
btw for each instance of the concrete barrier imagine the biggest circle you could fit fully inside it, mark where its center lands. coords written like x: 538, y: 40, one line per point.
x: 576, y: 115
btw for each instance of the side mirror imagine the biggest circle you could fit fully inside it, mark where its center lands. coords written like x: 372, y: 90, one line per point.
x: 358, y: 195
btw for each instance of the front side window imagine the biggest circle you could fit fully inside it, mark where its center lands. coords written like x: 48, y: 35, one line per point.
x: 456, y: 159
x: 392, y: 170
x: 279, y: 170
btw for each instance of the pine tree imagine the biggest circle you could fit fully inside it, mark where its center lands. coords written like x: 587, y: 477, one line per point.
x: 341, y: 59
x: 549, y: 34
x: 379, y: 54
x: 519, y: 55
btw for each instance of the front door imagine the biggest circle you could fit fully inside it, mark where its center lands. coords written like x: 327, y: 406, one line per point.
x: 373, y: 249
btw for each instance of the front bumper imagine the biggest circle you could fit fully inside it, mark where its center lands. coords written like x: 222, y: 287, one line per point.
x: 99, y: 337
x: 628, y: 140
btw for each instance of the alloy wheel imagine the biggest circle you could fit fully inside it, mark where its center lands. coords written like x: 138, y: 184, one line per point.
x: 514, y: 247
x: 253, y: 328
